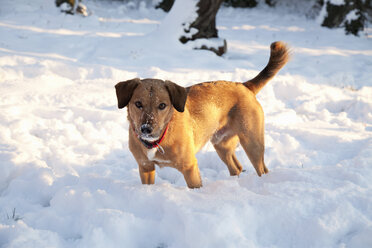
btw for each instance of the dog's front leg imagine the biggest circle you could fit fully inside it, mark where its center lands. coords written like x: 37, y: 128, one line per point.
x: 192, y: 175
x: 147, y: 173
x: 146, y: 168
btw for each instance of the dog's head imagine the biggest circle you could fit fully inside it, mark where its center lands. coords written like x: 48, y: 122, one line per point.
x: 151, y: 103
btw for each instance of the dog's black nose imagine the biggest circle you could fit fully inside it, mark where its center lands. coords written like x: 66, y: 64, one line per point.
x: 146, y: 129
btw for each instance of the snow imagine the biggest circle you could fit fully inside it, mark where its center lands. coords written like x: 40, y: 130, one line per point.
x: 337, y: 2
x: 70, y: 180
x: 179, y: 19
x: 352, y: 15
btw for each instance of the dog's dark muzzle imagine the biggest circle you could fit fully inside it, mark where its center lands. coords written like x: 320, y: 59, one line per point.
x: 146, y: 129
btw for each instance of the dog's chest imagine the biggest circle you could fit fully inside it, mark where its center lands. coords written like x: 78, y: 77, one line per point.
x: 153, y: 155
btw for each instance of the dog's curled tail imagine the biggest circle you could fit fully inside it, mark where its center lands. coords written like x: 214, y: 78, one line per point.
x: 279, y: 56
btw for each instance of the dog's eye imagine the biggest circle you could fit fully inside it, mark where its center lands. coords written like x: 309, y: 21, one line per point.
x: 162, y: 106
x: 138, y: 104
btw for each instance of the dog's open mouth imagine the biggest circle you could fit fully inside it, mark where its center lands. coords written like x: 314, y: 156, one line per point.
x: 149, y: 138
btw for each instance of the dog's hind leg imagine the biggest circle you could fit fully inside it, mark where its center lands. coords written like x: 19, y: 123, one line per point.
x: 226, y: 151
x: 251, y: 137
x: 255, y: 153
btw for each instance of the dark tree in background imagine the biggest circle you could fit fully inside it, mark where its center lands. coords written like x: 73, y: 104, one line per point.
x: 204, y: 24
x: 73, y: 7
x: 241, y: 3
x: 351, y: 14
x: 165, y: 5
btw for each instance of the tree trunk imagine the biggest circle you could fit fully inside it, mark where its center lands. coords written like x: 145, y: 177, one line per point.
x: 74, y: 6
x: 206, y: 21
x: 204, y: 26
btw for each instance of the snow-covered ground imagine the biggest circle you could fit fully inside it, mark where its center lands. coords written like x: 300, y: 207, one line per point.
x: 67, y: 178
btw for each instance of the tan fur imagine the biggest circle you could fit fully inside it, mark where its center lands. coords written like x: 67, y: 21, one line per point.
x: 226, y: 113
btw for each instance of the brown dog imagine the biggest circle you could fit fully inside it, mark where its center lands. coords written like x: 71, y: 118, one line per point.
x: 169, y: 124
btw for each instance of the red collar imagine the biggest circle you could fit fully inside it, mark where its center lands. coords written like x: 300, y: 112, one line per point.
x: 155, y: 144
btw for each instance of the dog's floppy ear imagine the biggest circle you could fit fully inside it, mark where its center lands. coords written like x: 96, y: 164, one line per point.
x: 177, y: 94
x: 124, y: 91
